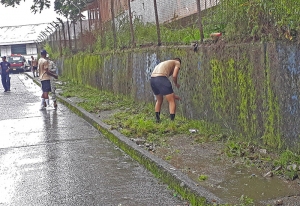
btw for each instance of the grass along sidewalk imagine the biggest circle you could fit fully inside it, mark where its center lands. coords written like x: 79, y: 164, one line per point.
x: 137, y: 120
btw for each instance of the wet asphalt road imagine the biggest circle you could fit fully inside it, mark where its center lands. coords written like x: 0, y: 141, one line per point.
x: 56, y: 158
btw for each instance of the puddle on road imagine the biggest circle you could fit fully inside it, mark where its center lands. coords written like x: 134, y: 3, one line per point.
x: 252, y: 184
x: 225, y: 180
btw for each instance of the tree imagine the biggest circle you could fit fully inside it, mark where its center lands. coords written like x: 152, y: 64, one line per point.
x: 37, y: 6
x: 65, y: 7
x: 70, y: 9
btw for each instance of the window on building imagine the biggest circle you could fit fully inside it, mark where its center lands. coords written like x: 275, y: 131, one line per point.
x: 31, y: 49
x: 18, y: 49
x: 5, y: 50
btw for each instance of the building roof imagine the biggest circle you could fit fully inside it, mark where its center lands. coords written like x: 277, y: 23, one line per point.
x: 21, y: 34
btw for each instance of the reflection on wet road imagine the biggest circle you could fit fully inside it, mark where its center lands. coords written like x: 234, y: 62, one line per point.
x: 56, y: 158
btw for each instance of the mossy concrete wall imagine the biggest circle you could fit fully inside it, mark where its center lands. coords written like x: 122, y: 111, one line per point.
x: 250, y: 89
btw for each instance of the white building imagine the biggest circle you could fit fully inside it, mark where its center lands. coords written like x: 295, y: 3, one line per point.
x: 20, y: 39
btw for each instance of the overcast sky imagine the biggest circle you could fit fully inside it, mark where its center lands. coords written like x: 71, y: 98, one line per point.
x: 21, y: 15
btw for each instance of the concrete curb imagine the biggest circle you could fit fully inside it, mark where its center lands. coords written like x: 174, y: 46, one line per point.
x: 179, y: 182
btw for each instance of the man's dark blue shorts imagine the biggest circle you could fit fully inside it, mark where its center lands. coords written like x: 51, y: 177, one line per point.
x: 161, y: 85
x: 46, y: 86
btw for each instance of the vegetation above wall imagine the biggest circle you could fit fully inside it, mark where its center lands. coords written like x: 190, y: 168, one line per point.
x: 237, y: 21
x: 242, y: 20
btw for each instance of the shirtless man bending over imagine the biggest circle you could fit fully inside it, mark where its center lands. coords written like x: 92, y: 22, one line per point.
x: 161, y: 85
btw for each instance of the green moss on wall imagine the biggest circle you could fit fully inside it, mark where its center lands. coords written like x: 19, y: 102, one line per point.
x: 218, y: 87
x: 234, y: 95
x: 271, y: 114
x: 247, y: 117
x: 82, y: 68
x: 225, y: 89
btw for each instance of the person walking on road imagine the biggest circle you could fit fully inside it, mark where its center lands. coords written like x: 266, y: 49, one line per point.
x: 161, y: 85
x: 5, y: 67
x: 43, y: 69
x: 34, y: 65
x: 52, y: 68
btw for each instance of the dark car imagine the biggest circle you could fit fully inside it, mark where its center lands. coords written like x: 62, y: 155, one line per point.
x: 17, y: 63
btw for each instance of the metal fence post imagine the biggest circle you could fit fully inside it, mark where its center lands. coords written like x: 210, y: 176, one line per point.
x: 96, y: 18
x: 75, y: 40
x: 60, y: 46
x: 56, y: 42
x: 100, y: 24
x: 113, y: 22
x: 63, y: 31
x: 54, y: 36
x: 45, y: 36
x: 64, y: 34
x: 89, y: 19
x: 51, y: 36
x: 200, y: 21
x: 100, y: 18
x: 131, y: 25
x: 81, y: 34
x: 157, y: 23
x: 48, y: 37
x: 53, y: 41
x: 69, y: 35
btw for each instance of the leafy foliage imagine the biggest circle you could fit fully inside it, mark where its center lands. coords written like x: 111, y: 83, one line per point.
x: 286, y: 158
x: 255, y: 19
x: 145, y: 34
x: 37, y: 6
x: 52, y: 53
x: 202, y: 178
x: 67, y: 8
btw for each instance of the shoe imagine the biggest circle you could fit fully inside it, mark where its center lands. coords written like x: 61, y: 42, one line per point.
x: 42, y: 107
x: 5, y: 90
x: 50, y: 108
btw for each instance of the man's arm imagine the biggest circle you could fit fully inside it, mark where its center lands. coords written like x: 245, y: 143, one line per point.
x: 49, y: 70
x: 8, y: 67
x: 52, y: 66
x: 175, y: 76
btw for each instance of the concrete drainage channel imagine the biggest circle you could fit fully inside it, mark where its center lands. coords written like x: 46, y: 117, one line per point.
x: 176, y: 180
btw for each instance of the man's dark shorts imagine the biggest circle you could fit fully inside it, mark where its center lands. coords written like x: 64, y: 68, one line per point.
x: 46, y: 86
x: 161, y: 85
x: 34, y: 68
